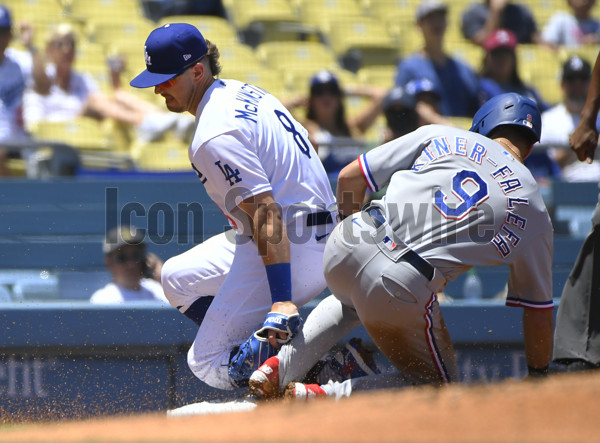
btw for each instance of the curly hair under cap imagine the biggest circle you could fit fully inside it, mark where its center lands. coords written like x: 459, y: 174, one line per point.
x: 213, y: 55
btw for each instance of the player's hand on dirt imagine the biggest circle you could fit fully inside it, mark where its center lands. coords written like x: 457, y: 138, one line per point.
x: 584, y: 141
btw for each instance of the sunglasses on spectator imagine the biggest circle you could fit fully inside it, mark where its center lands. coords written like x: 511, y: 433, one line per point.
x: 167, y: 84
x: 325, y: 89
x: 122, y: 257
x: 63, y: 44
x: 573, y: 78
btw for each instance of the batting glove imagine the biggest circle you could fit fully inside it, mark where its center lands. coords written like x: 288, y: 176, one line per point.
x: 280, y: 323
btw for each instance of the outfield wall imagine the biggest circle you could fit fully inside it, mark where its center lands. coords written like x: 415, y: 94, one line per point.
x: 66, y: 360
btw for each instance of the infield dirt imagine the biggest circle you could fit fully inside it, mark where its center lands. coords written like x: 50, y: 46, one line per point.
x: 561, y: 408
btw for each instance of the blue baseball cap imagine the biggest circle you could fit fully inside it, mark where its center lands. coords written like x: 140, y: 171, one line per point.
x: 170, y: 50
x: 5, y: 21
x: 324, y: 79
x: 420, y: 86
x: 398, y: 96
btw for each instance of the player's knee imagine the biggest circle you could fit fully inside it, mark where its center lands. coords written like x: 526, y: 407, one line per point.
x: 209, y: 368
x: 168, y: 279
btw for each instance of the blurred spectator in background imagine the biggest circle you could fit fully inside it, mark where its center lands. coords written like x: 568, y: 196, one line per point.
x: 400, y: 114
x: 500, y: 73
x: 427, y: 102
x: 455, y: 81
x: 16, y: 70
x: 337, y: 136
x: 573, y: 29
x: 401, y: 117
x: 69, y: 94
x: 480, y: 19
x: 326, y: 113
x: 560, y: 121
x: 135, y: 273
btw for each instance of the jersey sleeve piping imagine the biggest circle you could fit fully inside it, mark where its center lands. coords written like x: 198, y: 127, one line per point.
x: 515, y: 302
x: 366, y: 172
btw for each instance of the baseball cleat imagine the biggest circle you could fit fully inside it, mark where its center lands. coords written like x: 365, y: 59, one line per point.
x: 301, y: 391
x: 264, y: 382
x: 353, y: 361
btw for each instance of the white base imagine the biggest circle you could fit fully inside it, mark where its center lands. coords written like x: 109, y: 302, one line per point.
x: 207, y: 407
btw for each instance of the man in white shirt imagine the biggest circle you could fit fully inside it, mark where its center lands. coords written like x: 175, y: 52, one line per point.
x: 560, y: 121
x: 135, y: 273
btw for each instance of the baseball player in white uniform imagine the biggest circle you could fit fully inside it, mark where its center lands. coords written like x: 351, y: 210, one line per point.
x: 455, y: 199
x: 259, y: 168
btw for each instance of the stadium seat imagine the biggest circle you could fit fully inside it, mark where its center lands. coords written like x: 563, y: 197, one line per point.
x: 216, y: 29
x: 296, y: 61
x: 385, y: 8
x: 110, y: 11
x: 131, y: 34
x: 258, y: 21
x: 42, y: 14
x: 286, y: 55
x: 540, y: 67
x: 362, y: 41
x: 399, y: 19
x: 161, y: 156
x: 236, y: 57
x: 35, y: 10
x: 82, y: 133
x: 320, y: 13
x: 378, y: 75
x: 269, y: 80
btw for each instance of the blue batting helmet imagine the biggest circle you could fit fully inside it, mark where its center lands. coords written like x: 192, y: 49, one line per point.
x: 508, y: 109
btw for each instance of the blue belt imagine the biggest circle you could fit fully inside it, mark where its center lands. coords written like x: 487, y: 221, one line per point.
x: 411, y: 257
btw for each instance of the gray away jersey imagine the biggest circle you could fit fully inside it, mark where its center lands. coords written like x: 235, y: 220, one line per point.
x: 460, y: 199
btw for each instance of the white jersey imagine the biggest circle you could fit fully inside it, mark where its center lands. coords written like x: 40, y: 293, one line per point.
x: 150, y: 290
x: 60, y: 105
x: 559, y: 124
x: 247, y: 143
x: 460, y: 199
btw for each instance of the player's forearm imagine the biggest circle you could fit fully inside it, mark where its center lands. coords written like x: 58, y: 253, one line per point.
x: 538, y: 328
x: 273, y: 245
x: 492, y: 22
x: 351, y: 189
x: 269, y: 232
x: 592, y: 103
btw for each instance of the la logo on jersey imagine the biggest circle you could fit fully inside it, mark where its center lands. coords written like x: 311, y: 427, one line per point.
x: 147, y: 57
